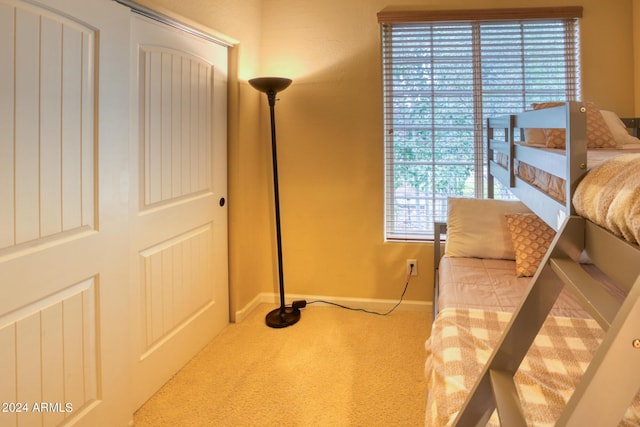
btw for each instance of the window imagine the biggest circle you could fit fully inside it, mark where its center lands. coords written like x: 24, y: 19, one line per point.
x: 441, y: 80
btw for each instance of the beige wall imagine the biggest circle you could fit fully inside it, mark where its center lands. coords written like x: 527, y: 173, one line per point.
x: 636, y: 53
x: 330, y: 137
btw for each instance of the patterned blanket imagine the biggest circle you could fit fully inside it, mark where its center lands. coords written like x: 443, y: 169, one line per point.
x: 609, y: 195
x: 462, y: 340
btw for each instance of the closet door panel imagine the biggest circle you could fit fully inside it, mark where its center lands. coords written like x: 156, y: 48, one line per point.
x: 64, y: 116
x: 179, y: 247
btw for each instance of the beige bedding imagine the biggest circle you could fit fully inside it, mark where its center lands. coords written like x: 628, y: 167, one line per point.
x: 609, y: 195
x: 462, y: 340
x: 476, y: 299
x: 491, y: 284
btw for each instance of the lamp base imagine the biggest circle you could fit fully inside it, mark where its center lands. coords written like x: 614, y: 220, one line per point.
x: 281, y: 318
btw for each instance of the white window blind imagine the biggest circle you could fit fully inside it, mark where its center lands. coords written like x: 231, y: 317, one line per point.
x: 441, y: 80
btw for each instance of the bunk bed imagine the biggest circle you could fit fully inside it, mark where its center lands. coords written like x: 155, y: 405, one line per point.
x: 544, y: 153
x: 550, y: 342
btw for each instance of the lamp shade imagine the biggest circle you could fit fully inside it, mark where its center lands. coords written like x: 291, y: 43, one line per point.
x: 270, y: 84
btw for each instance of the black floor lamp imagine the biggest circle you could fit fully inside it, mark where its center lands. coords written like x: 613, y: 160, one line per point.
x: 283, y: 316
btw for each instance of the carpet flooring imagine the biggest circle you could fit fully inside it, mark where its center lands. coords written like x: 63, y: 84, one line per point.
x: 335, y: 367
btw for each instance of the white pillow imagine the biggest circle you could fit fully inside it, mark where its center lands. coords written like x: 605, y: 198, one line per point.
x: 477, y: 228
x: 618, y: 129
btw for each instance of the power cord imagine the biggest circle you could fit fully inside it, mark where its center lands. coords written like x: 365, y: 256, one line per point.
x: 406, y: 285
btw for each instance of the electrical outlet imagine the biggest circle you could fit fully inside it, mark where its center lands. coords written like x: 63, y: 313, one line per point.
x: 414, y: 271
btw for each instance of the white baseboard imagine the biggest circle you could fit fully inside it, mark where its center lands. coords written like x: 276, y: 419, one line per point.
x: 263, y: 298
x: 378, y: 305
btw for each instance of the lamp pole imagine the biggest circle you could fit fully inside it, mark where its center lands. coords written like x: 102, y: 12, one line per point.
x: 283, y: 316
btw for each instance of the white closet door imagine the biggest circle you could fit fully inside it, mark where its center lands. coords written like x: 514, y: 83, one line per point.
x: 63, y: 213
x: 178, y: 214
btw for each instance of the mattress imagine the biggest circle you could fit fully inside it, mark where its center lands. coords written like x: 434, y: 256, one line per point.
x: 462, y: 340
x: 491, y: 284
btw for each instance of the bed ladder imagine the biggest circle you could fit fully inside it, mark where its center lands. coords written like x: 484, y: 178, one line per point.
x: 613, y: 376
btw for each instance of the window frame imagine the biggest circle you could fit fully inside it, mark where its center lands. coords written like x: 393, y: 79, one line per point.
x: 389, y: 17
